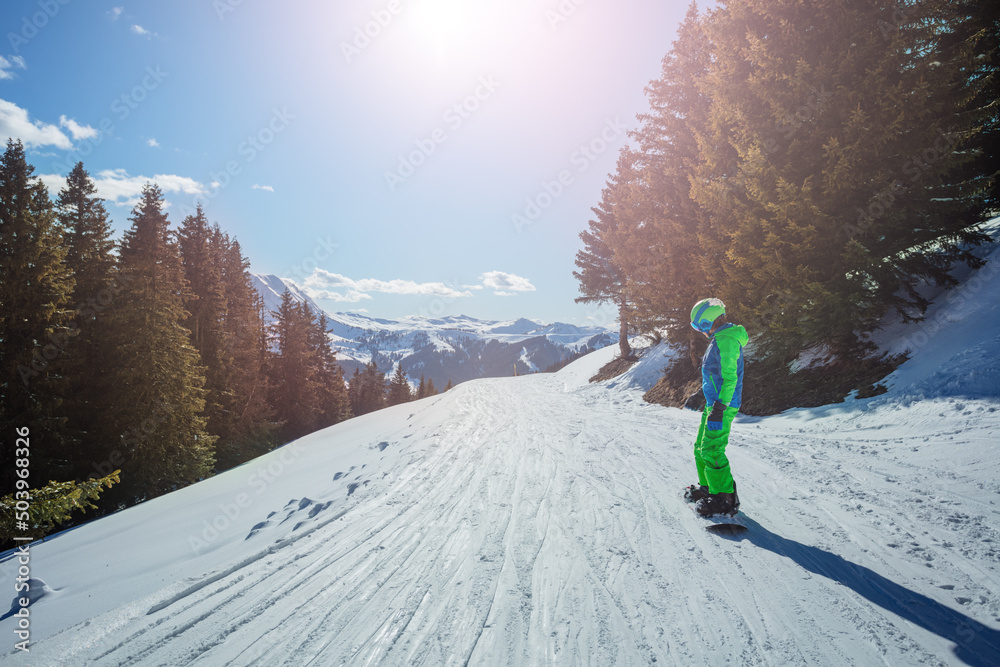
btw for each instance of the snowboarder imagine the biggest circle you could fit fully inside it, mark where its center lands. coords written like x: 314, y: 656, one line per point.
x: 722, y: 385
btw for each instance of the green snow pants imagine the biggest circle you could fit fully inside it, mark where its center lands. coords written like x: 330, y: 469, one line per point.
x: 710, y: 453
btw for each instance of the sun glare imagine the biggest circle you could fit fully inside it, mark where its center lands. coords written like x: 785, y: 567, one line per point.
x: 443, y: 24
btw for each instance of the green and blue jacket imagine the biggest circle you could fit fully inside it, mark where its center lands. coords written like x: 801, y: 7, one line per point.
x: 722, y: 366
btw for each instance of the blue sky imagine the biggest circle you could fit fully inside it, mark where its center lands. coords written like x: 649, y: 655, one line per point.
x: 385, y: 154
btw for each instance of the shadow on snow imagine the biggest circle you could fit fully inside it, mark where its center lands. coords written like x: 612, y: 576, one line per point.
x: 975, y: 644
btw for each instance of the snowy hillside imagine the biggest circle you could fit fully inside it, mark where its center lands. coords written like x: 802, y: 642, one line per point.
x: 456, y: 348
x: 537, y: 520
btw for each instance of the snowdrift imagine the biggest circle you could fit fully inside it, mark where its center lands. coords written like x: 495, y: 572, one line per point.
x: 537, y: 520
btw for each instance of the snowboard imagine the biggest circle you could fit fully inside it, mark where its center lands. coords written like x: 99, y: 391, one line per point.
x: 726, y: 528
x: 720, y: 524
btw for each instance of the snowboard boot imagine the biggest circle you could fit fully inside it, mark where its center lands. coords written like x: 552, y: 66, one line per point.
x: 695, y: 492
x: 716, y: 504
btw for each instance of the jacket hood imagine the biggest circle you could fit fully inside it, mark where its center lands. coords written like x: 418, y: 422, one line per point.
x: 735, y: 331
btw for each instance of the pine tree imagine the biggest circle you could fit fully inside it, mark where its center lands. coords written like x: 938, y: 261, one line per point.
x: 308, y: 383
x: 429, y: 389
x: 963, y: 40
x: 367, y: 390
x: 156, y: 429
x: 601, y: 277
x: 660, y: 240
x: 422, y: 388
x: 227, y: 329
x: 312, y: 378
x: 334, y: 403
x: 35, y: 287
x: 354, y: 391
x: 51, y: 506
x: 293, y: 394
x: 246, y: 424
x: 449, y: 386
x: 835, y: 200
x: 90, y: 257
x: 399, y: 388
x: 201, y: 258
x: 374, y: 389
x: 89, y: 248
x: 812, y: 164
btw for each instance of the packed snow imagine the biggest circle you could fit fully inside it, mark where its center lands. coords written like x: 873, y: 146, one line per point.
x: 538, y: 520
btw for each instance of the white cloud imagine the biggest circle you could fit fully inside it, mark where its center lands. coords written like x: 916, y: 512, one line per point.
x: 323, y: 284
x: 139, y: 30
x: 15, y: 124
x: 153, y: 143
x: 6, y: 65
x: 53, y: 182
x: 78, y: 131
x: 326, y: 285
x: 117, y: 187
x: 351, y: 296
x: 115, y: 13
x: 506, y: 284
x: 268, y: 188
x: 169, y: 182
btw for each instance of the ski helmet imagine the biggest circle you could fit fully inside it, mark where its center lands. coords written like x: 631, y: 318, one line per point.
x: 705, y: 312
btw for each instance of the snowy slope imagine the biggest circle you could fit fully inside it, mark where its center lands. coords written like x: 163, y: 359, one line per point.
x: 537, y: 520
x: 956, y: 349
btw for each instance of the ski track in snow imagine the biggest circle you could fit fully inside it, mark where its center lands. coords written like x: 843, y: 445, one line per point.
x: 542, y: 524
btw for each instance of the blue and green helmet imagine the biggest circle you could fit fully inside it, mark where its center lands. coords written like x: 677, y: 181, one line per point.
x: 705, y: 312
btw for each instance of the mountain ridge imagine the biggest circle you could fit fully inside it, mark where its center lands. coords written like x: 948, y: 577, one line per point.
x: 452, y: 348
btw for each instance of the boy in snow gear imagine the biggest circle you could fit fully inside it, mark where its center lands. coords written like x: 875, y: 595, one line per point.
x: 722, y: 385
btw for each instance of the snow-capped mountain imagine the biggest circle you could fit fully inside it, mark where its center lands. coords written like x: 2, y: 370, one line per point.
x: 455, y: 348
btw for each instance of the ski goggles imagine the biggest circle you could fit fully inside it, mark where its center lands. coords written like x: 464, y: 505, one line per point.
x: 699, y: 324
x: 703, y: 326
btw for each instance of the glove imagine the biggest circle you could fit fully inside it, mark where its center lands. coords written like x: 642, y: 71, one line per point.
x: 715, y: 417
x: 695, y: 401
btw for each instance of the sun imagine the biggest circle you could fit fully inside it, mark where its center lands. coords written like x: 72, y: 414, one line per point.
x: 443, y: 24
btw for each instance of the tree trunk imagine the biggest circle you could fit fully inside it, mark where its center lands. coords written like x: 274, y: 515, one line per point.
x: 623, y: 345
